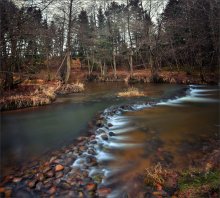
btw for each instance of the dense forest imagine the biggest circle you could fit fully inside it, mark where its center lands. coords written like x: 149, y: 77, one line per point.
x: 177, y: 34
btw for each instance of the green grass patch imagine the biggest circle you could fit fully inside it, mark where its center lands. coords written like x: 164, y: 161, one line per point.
x: 196, y: 179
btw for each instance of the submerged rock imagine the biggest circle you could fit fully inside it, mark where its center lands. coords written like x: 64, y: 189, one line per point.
x: 103, y: 192
x: 112, y: 133
x: 104, y: 136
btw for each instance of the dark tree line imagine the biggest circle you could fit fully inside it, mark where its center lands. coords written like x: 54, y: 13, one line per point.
x: 184, y: 36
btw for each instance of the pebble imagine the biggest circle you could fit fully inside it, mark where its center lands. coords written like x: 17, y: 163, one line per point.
x: 39, y: 185
x: 65, y: 185
x: 104, y: 137
x: 52, y: 190
x: 40, y: 176
x: 31, y: 184
x: 59, y: 174
x: 91, y: 152
x: 91, y: 187
x: 17, y: 179
x: 110, y: 125
x: 103, y: 192
x: 50, y: 174
x: 59, y: 167
x: 112, y: 133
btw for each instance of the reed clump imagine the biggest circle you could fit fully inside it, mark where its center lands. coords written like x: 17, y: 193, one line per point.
x: 131, y: 92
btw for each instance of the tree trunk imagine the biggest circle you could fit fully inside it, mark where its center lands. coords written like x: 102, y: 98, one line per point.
x: 68, y: 57
x: 114, y: 64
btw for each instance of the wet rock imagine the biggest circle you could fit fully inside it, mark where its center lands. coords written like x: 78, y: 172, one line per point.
x: 103, y: 192
x: 59, y: 174
x: 112, y: 133
x: 47, y: 181
x: 49, y: 174
x: 100, y: 131
x: 39, y: 186
x: 69, y: 161
x: 57, y: 181
x: 91, y: 161
x: 93, y: 142
x: 59, y: 167
x: 40, y: 176
x: 110, y: 125
x: 82, y: 148
x: 57, y: 161
x: 31, y: 184
x: 91, y: 152
x: 17, y: 179
x: 104, y: 137
x: 53, y: 158
x: 91, y: 187
x: 46, y: 169
x: 52, y: 190
x: 80, y: 139
x: 100, y: 123
x: 64, y: 185
x: 69, y: 154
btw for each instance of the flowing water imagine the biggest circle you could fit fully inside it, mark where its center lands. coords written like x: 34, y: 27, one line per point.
x: 172, y: 130
x: 29, y: 133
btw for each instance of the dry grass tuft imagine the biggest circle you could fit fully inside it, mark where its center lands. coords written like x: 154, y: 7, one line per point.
x: 155, y: 175
x: 131, y: 92
x: 70, y: 88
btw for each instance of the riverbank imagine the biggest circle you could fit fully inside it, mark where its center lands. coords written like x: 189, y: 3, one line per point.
x: 34, y: 93
x: 74, y: 170
x: 145, y: 76
x: 39, y: 91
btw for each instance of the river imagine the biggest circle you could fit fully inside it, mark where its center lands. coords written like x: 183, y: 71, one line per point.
x: 177, y: 125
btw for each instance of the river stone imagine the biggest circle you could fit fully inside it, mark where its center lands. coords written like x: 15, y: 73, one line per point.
x: 104, y: 136
x: 64, y: 185
x: 100, y: 123
x: 50, y: 174
x: 59, y: 174
x: 69, y: 161
x: 100, y: 131
x: 39, y: 186
x: 112, y: 133
x: 46, y: 169
x: 110, y: 125
x: 91, y: 161
x: 91, y: 187
x: 52, y: 190
x: 93, y: 142
x: 103, y: 192
x: 53, y: 158
x: 59, y: 167
x: 91, y: 152
x: 40, y: 176
x: 17, y: 179
x: 31, y: 184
